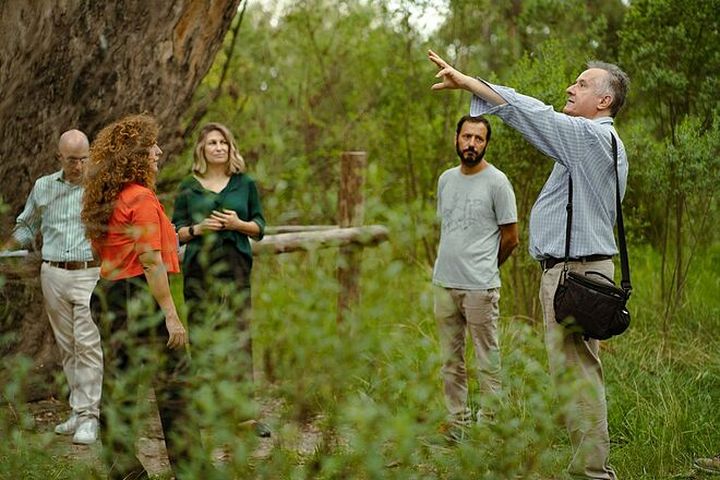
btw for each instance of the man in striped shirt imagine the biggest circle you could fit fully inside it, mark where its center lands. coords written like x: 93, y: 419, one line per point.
x: 579, y: 141
x: 68, y: 276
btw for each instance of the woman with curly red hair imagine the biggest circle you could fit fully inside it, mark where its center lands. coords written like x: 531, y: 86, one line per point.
x: 138, y: 247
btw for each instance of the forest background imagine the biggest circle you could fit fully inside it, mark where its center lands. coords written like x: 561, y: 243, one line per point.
x: 300, y: 82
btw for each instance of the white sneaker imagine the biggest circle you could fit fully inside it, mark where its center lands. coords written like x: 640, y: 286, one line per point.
x: 87, y: 432
x: 68, y: 427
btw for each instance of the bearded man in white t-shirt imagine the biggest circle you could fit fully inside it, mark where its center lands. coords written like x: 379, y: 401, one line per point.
x: 478, y: 214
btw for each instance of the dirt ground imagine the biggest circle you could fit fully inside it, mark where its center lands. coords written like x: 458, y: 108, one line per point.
x: 151, y: 447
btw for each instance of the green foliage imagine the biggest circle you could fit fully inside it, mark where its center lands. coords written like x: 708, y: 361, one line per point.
x: 324, y: 76
x: 675, y: 196
x: 374, y: 378
x: 369, y: 392
x: 671, y: 51
x: 679, y: 383
x: 22, y: 453
x: 363, y: 399
x: 686, y: 169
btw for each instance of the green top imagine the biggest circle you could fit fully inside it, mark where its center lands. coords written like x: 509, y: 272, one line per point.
x: 194, y: 203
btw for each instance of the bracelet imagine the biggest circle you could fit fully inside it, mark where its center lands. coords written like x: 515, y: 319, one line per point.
x: 191, y: 231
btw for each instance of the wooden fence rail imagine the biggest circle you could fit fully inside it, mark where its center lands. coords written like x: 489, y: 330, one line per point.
x: 333, y: 237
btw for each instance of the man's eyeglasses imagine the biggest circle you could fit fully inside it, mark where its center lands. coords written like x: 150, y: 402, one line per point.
x: 71, y: 160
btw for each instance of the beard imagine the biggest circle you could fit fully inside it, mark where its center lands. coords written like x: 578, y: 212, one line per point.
x: 470, y: 157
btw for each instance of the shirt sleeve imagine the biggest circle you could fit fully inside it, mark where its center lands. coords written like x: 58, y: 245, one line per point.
x: 255, y: 210
x: 28, y: 222
x: 504, y: 203
x: 559, y: 136
x: 144, y: 226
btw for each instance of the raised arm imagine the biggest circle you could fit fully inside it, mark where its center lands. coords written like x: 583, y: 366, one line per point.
x: 557, y: 135
x: 453, y: 79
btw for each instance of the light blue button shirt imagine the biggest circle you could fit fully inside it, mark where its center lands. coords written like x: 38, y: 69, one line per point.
x: 580, y: 147
x: 54, y: 207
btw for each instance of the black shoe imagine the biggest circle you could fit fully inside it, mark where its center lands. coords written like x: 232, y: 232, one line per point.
x: 262, y: 430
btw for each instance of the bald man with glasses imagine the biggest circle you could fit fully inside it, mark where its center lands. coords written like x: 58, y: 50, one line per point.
x: 68, y: 276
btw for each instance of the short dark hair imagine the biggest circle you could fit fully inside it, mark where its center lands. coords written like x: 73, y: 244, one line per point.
x: 471, y: 119
x: 616, y: 83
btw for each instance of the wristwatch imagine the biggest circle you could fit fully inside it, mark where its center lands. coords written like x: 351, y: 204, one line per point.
x: 191, y: 231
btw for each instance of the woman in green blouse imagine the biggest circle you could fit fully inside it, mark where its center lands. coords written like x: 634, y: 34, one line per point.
x: 216, y: 211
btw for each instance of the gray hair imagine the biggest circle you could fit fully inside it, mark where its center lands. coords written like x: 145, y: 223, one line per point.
x: 616, y: 83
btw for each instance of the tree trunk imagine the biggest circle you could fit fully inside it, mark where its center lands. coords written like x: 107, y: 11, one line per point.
x: 80, y: 64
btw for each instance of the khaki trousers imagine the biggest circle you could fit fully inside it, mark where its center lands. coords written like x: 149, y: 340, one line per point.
x: 576, y: 369
x: 477, y: 312
x: 66, y: 294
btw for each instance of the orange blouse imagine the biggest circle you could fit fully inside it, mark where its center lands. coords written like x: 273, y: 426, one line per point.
x: 138, y: 224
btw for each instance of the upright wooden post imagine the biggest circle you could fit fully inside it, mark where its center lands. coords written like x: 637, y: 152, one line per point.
x: 350, y: 214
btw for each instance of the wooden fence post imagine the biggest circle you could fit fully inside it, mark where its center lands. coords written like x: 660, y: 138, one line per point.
x: 350, y: 214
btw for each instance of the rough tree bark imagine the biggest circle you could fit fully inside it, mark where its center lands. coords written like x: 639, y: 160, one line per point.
x: 82, y: 64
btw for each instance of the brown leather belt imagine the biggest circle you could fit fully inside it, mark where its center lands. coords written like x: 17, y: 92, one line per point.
x: 550, y: 262
x: 73, y: 265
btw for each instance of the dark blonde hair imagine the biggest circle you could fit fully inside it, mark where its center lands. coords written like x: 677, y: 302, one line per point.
x: 119, y: 156
x: 235, y: 163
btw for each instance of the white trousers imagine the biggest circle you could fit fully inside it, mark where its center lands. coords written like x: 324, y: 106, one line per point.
x: 67, y: 302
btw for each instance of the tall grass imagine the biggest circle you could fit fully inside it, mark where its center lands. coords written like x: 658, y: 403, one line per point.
x: 377, y: 375
x: 370, y: 391
x: 664, y: 391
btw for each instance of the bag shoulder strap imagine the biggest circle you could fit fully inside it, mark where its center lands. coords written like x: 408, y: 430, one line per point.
x: 568, y: 223
x: 624, y: 263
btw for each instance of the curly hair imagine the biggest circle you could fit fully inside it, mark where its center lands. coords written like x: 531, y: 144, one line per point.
x: 236, y: 164
x: 118, y: 156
